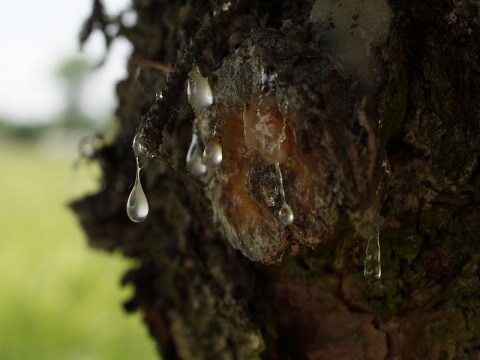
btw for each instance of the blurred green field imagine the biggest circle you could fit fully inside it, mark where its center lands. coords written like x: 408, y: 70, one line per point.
x: 58, y: 298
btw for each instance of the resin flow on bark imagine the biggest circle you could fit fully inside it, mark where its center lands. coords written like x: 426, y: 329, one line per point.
x: 270, y: 117
x: 285, y: 143
x: 301, y: 90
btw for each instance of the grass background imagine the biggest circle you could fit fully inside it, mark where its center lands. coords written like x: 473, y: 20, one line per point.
x: 58, y: 298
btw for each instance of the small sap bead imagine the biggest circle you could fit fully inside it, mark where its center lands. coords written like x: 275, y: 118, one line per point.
x: 137, y: 146
x: 159, y: 95
x: 199, y: 91
x: 286, y: 214
x: 212, y: 155
x: 194, y: 158
x: 137, y: 204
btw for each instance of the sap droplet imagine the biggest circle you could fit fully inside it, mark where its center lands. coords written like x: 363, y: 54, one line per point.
x: 212, y: 155
x: 373, y: 267
x: 199, y: 91
x: 159, y: 95
x: 137, y: 146
x: 286, y: 214
x: 194, y: 157
x: 137, y: 204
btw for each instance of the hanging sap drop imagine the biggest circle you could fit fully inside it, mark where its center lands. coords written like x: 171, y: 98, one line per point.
x: 194, y: 158
x: 373, y: 266
x: 212, y: 155
x: 137, y: 204
x: 286, y: 214
x: 138, y: 148
x: 199, y: 91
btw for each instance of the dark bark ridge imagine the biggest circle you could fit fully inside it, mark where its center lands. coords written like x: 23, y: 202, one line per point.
x: 202, y: 299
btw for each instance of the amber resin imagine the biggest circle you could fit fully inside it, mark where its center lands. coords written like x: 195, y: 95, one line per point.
x: 267, y: 131
x: 268, y: 125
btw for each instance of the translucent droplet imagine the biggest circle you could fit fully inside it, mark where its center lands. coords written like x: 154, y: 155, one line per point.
x: 194, y: 157
x: 137, y: 146
x: 212, y: 155
x: 286, y: 214
x: 199, y: 91
x: 137, y: 204
x: 159, y: 95
x: 373, y: 267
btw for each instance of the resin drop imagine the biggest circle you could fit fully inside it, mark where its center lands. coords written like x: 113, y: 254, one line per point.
x: 373, y: 267
x: 212, y: 155
x: 159, y: 95
x: 138, y: 148
x: 137, y: 204
x: 286, y: 214
x: 199, y: 91
x: 194, y: 157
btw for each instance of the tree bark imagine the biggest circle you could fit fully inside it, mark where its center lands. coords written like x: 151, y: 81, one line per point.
x: 264, y: 290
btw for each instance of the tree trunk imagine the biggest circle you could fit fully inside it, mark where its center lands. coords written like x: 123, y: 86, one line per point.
x: 219, y: 275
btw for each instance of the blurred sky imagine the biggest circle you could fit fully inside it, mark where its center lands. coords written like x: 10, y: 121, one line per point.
x: 36, y: 38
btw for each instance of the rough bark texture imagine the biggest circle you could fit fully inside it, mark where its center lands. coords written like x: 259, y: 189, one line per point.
x: 201, y: 298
